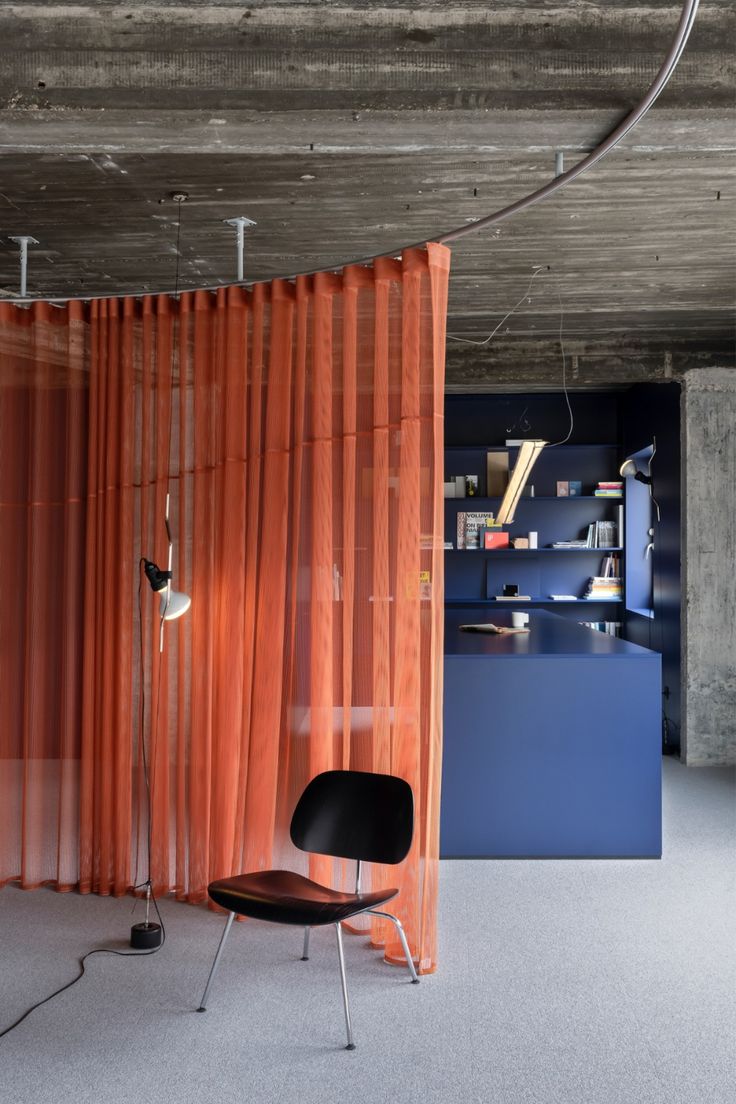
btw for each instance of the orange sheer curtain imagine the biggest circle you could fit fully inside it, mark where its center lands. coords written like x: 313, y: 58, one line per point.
x: 298, y: 429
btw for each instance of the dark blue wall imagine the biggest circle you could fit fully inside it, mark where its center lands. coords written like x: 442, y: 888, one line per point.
x: 653, y: 411
x: 490, y: 419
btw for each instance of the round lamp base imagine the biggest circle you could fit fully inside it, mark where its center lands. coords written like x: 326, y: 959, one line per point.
x: 145, y: 937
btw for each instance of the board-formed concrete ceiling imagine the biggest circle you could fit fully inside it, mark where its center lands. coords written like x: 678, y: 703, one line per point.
x: 347, y: 129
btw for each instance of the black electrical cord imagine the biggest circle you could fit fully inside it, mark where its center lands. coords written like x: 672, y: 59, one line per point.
x: 147, y: 885
x: 82, y: 967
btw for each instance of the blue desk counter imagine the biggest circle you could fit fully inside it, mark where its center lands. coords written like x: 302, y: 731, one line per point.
x: 552, y: 741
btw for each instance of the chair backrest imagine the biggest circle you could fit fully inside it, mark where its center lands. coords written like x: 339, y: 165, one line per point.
x: 355, y: 815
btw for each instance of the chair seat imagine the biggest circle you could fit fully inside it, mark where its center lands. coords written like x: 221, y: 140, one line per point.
x: 288, y: 898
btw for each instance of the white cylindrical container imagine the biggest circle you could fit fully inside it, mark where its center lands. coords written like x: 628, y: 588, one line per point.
x: 519, y: 619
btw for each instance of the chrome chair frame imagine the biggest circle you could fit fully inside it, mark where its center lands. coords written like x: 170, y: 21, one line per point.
x: 340, y: 955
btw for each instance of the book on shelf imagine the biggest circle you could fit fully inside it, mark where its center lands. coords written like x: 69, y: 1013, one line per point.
x: 610, y: 567
x: 497, y: 473
x: 469, y: 526
x: 602, y: 534
x: 610, y: 489
x: 600, y: 586
x: 570, y: 544
x: 512, y: 597
x: 493, y: 538
x: 564, y: 597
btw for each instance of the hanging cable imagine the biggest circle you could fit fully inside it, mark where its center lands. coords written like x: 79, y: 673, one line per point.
x: 564, y: 440
x: 179, y: 198
x: 487, y: 340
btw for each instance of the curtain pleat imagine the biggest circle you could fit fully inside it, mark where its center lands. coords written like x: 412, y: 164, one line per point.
x: 295, y: 433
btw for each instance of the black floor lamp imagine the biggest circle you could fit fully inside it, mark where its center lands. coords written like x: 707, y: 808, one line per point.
x: 148, y: 935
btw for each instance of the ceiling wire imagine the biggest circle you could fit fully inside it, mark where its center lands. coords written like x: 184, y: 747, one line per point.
x: 487, y: 340
x: 665, y: 71
x: 565, y: 439
x: 179, y: 200
x: 563, y: 355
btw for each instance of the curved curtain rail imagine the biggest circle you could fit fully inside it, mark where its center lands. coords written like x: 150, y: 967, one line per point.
x: 666, y: 69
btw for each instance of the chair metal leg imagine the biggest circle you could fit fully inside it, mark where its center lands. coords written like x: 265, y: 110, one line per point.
x: 305, y: 952
x: 402, y: 936
x: 215, y: 964
x: 343, y: 979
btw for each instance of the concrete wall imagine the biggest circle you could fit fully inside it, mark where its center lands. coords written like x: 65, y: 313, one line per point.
x: 709, y: 566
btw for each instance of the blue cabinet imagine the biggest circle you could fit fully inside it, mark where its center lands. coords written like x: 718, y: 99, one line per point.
x: 551, y: 743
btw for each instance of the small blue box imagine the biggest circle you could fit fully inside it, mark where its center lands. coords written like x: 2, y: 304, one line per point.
x: 576, y: 487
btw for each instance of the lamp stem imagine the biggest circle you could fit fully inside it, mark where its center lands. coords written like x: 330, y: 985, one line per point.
x: 169, y: 563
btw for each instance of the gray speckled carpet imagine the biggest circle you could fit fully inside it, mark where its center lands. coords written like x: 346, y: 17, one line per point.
x: 575, y: 982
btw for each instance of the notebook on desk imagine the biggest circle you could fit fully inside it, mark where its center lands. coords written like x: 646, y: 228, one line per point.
x: 501, y: 630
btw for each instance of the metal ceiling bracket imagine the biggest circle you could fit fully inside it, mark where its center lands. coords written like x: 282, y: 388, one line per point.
x: 24, y: 240
x: 240, y: 223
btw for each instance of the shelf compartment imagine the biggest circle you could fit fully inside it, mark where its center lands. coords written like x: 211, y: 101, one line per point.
x: 534, y: 551
x: 537, y: 498
x: 534, y: 601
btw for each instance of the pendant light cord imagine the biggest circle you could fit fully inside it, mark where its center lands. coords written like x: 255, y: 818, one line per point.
x: 179, y: 200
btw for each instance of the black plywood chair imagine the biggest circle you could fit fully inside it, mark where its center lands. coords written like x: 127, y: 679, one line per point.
x: 346, y: 814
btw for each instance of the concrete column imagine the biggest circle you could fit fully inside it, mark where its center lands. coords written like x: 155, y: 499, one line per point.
x: 709, y: 566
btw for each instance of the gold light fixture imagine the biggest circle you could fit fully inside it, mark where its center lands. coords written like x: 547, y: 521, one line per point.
x: 525, y: 461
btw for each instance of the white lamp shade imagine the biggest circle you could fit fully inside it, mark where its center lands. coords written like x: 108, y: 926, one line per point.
x: 177, y: 604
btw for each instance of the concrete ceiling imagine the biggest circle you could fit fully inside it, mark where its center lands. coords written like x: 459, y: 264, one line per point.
x: 346, y: 129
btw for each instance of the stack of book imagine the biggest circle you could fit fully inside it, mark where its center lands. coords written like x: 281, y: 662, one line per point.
x: 603, y: 587
x: 472, y: 530
x: 609, y: 490
x: 602, y: 534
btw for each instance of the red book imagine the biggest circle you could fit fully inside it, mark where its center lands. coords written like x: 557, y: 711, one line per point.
x: 496, y: 540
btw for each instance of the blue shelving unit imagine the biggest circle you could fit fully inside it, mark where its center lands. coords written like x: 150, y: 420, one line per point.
x: 475, y: 575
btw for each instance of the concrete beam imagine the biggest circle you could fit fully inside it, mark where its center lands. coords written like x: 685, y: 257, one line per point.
x: 292, y: 56
x: 473, y: 135
x: 519, y: 364
x: 708, y: 557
